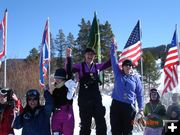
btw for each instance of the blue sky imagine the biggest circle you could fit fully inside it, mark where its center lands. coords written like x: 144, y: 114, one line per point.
x: 26, y: 20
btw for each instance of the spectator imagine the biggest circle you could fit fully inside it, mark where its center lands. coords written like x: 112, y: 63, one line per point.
x: 154, y: 113
x: 173, y: 111
x: 9, y: 105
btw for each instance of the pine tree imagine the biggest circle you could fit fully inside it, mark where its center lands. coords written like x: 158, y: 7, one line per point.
x: 53, y: 54
x: 60, y: 46
x: 82, y: 39
x: 33, y: 55
x: 106, y: 35
x: 150, y: 70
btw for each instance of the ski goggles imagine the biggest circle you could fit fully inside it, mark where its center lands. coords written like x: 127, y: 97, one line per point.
x: 32, y: 93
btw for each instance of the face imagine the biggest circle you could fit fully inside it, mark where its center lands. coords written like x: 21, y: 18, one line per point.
x: 3, y: 99
x: 176, y: 99
x: 89, y: 57
x: 127, y: 69
x: 33, y: 102
x: 57, y: 80
x: 154, y: 95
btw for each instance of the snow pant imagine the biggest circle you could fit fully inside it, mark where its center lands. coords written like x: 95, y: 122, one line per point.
x: 63, y: 120
x: 121, y: 118
x: 153, y: 131
x: 90, y: 105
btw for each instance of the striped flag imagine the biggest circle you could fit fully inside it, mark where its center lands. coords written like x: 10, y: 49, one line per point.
x: 132, y: 49
x: 171, y: 64
x: 44, y: 55
x: 3, y: 26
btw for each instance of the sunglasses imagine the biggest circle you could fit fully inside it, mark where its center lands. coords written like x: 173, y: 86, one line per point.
x: 128, y: 65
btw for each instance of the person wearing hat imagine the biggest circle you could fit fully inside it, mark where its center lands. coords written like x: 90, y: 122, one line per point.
x: 154, y: 113
x: 35, y: 118
x: 9, y: 105
x: 127, y: 90
x: 89, y: 98
x: 63, y: 116
x: 173, y: 111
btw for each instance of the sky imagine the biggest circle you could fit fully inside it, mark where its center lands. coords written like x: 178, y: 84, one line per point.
x: 26, y: 20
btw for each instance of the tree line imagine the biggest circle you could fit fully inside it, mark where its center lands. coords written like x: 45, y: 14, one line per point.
x: 24, y: 74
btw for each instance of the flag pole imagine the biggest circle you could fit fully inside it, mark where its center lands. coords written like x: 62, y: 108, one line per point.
x: 141, y: 55
x: 49, y: 50
x: 177, y: 43
x: 6, y: 14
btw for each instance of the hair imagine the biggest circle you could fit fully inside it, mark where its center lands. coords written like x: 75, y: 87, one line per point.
x: 158, y: 95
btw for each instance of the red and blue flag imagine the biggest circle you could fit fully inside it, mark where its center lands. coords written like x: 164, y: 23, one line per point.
x: 132, y: 49
x: 44, y: 55
x: 171, y: 65
x: 3, y: 36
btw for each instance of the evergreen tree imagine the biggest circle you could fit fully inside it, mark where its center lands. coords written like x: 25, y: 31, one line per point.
x: 53, y: 54
x: 106, y: 35
x: 70, y: 40
x: 150, y: 70
x: 82, y: 39
x: 73, y: 45
x: 33, y: 55
x: 60, y: 46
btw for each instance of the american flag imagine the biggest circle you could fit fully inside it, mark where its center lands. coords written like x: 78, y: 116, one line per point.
x: 3, y: 36
x: 44, y: 55
x: 171, y: 64
x: 132, y: 49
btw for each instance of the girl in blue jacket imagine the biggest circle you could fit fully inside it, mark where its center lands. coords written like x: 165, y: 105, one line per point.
x: 35, y: 119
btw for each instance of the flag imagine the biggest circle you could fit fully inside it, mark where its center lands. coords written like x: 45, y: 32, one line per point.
x: 3, y: 35
x: 170, y: 66
x: 132, y: 49
x: 44, y: 55
x: 94, y: 38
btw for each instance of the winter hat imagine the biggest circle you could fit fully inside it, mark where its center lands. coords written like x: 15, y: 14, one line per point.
x: 89, y: 50
x: 127, y: 62
x: 60, y: 74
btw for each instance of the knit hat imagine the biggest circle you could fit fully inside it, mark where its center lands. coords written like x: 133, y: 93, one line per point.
x: 60, y: 74
x: 90, y: 50
x: 127, y: 62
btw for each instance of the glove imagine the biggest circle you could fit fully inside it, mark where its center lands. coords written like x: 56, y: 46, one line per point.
x: 72, y: 86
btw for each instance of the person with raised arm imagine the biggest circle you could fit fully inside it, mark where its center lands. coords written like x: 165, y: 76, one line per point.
x: 89, y: 98
x: 35, y: 118
x: 127, y: 90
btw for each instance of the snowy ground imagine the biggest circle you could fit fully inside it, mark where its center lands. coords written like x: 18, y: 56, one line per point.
x: 106, y: 102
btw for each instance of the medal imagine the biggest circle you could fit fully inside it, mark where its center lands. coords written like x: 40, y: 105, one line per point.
x: 92, y: 75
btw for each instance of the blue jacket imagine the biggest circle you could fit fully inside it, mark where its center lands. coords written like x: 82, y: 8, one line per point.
x: 39, y: 124
x: 127, y: 88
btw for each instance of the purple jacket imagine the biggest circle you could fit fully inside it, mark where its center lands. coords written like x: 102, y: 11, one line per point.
x: 99, y: 67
